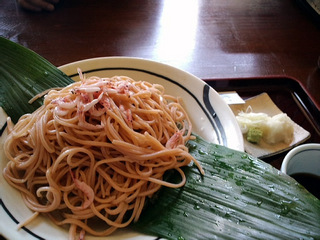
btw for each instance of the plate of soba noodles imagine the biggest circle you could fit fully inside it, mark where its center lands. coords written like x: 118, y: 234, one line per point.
x: 83, y: 164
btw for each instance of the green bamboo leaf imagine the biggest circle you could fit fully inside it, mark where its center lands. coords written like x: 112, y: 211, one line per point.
x: 240, y: 197
x: 24, y: 74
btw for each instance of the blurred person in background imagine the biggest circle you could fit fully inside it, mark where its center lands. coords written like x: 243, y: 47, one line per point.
x: 38, y: 5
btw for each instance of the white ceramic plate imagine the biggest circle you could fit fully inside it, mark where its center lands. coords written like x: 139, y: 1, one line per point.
x: 211, y: 117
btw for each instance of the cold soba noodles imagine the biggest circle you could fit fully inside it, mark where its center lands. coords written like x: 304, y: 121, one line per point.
x: 95, y: 150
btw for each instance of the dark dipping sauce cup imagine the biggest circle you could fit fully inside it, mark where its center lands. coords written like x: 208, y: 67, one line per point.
x: 303, y: 164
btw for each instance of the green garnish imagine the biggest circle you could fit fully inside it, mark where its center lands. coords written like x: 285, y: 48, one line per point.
x: 254, y: 135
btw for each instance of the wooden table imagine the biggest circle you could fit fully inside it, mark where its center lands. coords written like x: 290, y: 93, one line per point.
x: 212, y: 39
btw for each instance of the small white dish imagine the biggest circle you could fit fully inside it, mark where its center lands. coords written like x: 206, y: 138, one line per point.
x: 262, y: 103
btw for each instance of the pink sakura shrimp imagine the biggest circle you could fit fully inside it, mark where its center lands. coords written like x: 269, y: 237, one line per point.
x: 65, y: 102
x: 94, y: 98
x: 92, y: 103
x: 128, y: 115
x: 98, y: 110
x: 88, y: 102
x: 81, y: 75
x: 86, y: 189
x: 63, y: 105
x: 88, y: 89
x: 105, y: 102
x: 83, y: 96
x: 84, y: 123
x: 123, y: 88
x: 174, y: 140
x: 82, y: 234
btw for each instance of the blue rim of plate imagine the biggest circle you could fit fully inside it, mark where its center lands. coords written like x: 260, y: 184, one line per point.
x: 207, y: 109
